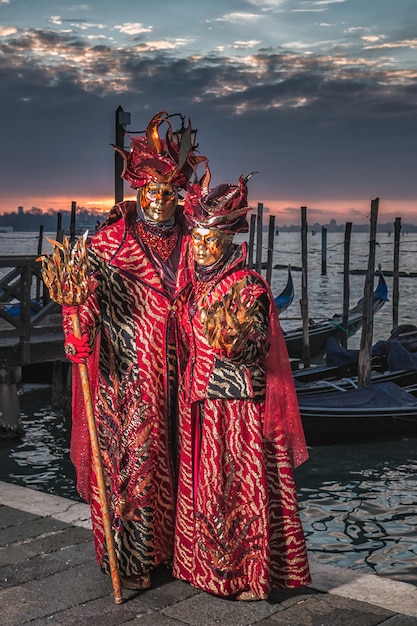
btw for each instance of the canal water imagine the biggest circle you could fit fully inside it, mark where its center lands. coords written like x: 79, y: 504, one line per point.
x: 359, y: 506
x: 358, y: 502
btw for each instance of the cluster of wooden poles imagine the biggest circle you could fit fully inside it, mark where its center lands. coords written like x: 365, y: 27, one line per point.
x: 255, y: 261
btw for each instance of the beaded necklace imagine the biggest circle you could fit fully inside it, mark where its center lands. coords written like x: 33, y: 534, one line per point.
x: 160, y: 241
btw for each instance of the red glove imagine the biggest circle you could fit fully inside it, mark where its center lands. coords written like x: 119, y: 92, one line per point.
x: 69, y: 310
x: 77, y: 350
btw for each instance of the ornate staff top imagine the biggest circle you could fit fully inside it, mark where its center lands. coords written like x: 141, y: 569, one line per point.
x: 66, y: 272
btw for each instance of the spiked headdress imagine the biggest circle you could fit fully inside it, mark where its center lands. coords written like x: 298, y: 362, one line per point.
x: 152, y: 158
x: 224, y: 207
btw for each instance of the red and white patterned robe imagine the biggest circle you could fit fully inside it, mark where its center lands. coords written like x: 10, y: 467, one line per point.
x: 237, y: 524
x: 132, y: 317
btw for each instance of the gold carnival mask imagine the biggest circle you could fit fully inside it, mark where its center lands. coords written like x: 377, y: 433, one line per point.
x: 158, y: 201
x: 209, y: 245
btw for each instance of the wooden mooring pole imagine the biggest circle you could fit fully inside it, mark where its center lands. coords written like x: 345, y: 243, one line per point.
x: 59, y: 230
x: 72, y: 221
x: 10, y: 422
x: 259, y: 234
x: 346, y: 285
x: 323, y: 251
x: 270, y: 258
x: 396, y: 272
x: 38, y: 279
x: 251, y: 243
x: 365, y: 351
x: 304, y: 289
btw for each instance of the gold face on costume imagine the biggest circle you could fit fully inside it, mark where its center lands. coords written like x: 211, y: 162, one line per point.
x: 158, y: 201
x: 209, y: 245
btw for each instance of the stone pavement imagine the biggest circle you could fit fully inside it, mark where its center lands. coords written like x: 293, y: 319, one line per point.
x: 49, y: 575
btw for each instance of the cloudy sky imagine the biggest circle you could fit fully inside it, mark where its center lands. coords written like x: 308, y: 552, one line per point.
x: 319, y: 96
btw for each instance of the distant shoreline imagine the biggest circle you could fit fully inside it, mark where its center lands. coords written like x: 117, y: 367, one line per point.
x: 313, y: 230
x: 33, y: 222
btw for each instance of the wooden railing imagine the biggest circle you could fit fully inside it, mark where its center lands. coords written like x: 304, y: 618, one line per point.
x: 26, y: 310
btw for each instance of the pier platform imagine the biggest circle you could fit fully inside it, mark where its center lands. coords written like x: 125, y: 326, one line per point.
x: 31, y: 337
x: 49, y: 575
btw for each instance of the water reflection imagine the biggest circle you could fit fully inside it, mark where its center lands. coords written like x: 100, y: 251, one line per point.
x: 366, y: 518
x: 40, y: 460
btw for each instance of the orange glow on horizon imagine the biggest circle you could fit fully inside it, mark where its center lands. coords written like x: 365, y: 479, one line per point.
x: 356, y: 211
x: 101, y: 204
x: 287, y: 212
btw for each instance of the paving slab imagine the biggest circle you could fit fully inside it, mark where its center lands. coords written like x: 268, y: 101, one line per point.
x: 98, y: 612
x: 400, y: 620
x: 34, y: 527
x: 56, y: 540
x: 20, y: 605
x: 45, y: 504
x: 209, y: 610
x: 8, y: 516
x: 325, y: 610
x: 75, y: 554
x: 15, y: 554
x: 76, y: 585
x: 166, y: 591
x: 37, y: 567
x: 393, y: 595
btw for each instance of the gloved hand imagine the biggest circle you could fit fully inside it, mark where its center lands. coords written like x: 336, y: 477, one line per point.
x: 77, y: 350
x: 228, y: 323
x: 67, y: 311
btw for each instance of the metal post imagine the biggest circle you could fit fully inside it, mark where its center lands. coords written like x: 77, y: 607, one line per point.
x: 118, y: 159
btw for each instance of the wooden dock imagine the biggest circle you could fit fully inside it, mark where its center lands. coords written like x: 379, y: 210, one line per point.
x: 30, y: 323
x: 31, y: 337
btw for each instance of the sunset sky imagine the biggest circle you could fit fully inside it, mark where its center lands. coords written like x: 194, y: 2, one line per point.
x: 318, y: 96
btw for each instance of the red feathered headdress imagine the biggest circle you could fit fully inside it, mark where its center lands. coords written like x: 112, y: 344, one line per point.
x: 224, y: 207
x: 152, y: 158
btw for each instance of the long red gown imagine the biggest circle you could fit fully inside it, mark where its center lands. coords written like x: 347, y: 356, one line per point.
x: 131, y: 315
x: 237, y: 522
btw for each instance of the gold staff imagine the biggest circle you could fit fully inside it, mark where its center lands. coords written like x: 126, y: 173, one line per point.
x: 66, y: 273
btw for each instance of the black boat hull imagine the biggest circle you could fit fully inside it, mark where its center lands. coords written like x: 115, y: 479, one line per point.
x: 323, y: 430
x: 381, y: 411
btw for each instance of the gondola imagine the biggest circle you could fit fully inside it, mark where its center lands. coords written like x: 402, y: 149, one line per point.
x: 378, y: 412
x: 285, y: 298
x: 320, y: 331
x: 335, y: 410
x: 393, y: 360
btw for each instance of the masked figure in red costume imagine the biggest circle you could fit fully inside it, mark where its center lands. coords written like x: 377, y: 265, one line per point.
x: 238, y: 529
x: 138, y: 269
